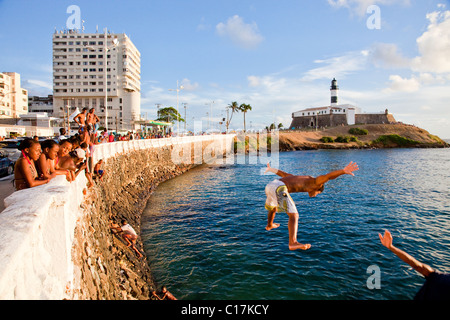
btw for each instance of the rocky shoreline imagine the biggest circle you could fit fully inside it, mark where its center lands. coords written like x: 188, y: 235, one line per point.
x: 377, y: 136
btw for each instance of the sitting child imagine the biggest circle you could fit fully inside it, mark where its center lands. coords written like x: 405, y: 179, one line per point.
x: 25, y: 173
x: 83, y: 152
x: 97, y: 170
x: 46, y: 164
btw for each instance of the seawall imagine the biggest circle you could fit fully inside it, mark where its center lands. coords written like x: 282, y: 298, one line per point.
x: 56, y: 242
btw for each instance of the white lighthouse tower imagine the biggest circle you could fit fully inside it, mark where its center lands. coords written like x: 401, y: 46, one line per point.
x: 334, y: 90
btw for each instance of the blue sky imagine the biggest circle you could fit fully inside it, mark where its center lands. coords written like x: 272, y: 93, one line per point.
x: 277, y: 56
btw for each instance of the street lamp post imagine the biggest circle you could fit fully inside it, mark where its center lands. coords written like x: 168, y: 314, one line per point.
x: 68, y: 104
x: 105, y: 54
x: 178, y: 117
x: 106, y: 49
x: 185, y: 118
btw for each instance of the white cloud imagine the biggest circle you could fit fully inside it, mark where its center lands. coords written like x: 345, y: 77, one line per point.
x: 268, y: 84
x: 244, y: 35
x: 388, y: 55
x: 403, y: 84
x: 203, y: 25
x: 360, y: 6
x: 434, y: 45
x: 37, y: 87
x: 189, y: 86
x: 338, y: 66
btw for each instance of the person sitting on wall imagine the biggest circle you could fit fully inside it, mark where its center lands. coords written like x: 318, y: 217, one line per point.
x: 62, y: 134
x: 46, y: 164
x: 25, y: 173
x: 83, y: 152
x: 74, y: 163
x: 98, y: 172
x: 65, y: 146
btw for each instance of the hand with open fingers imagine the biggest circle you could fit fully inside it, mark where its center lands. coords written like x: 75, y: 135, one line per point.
x: 387, y: 239
x: 352, y: 166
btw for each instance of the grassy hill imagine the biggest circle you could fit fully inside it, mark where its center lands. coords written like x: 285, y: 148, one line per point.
x: 366, y: 136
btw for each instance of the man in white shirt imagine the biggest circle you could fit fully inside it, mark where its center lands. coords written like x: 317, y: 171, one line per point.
x: 129, y: 234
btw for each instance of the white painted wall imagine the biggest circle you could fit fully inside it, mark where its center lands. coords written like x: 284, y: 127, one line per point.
x: 37, y: 228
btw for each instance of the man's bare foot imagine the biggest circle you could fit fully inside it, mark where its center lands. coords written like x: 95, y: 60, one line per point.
x: 273, y: 226
x: 297, y: 246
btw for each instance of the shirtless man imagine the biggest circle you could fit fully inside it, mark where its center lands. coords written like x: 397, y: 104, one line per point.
x: 279, y: 199
x: 128, y: 234
x: 81, y: 119
x: 92, y: 119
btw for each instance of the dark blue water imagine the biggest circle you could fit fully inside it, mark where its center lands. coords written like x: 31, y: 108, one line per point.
x: 205, y: 237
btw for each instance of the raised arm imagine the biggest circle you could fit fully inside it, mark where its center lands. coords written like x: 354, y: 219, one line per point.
x: 352, y: 166
x: 276, y: 171
x: 420, y: 267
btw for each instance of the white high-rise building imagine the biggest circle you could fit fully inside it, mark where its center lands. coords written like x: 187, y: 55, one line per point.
x: 91, y: 67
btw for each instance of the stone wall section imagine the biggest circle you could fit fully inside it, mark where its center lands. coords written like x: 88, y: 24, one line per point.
x: 104, y: 266
x: 333, y: 120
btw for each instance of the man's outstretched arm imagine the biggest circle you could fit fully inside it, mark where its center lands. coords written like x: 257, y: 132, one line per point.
x: 276, y: 171
x: 420, y: 267
x: 352, y: 166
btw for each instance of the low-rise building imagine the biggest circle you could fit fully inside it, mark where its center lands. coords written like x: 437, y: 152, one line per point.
x: 13, y: 98
x: 41, y: 104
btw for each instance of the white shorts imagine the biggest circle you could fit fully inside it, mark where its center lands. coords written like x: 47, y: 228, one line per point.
x: 279, y: 197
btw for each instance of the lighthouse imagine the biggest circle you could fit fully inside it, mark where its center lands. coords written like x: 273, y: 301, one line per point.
x: 334, y: 96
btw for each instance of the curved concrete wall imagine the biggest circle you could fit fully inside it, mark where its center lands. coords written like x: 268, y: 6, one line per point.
x: 37, y: 227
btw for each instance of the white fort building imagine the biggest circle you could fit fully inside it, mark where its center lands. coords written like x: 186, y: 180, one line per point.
x: 336, y: 114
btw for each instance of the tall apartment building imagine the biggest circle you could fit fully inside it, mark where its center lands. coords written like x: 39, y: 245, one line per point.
x: 13, y: 98
x: 84, y: 64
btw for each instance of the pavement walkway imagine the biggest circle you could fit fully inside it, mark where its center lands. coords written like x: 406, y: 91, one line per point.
x: 6, y: 189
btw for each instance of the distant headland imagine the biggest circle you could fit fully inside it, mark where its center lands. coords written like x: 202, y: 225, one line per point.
x: 366, y: 136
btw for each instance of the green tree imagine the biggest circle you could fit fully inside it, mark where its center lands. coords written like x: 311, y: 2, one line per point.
x: 245, y: 108
x: 234, y: 108
x: 169, y: 114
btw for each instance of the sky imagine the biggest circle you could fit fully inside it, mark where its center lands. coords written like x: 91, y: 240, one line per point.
x: 277, y: 56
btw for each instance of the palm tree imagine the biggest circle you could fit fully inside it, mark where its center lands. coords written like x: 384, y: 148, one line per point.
x: 244, y: 108
x: 234, y: 108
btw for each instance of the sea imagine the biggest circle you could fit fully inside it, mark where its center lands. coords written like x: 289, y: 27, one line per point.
x: 205, y: 239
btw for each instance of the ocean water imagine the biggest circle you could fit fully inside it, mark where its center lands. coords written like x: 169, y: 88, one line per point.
x: 204, y: 232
